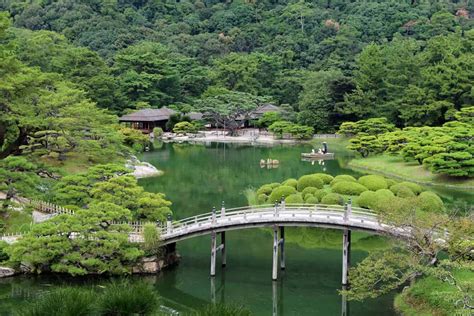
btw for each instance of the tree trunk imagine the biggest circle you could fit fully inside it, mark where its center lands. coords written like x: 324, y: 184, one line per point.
x: 14, y: 147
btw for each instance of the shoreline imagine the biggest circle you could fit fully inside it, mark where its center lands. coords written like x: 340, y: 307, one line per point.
x: 142, y: 169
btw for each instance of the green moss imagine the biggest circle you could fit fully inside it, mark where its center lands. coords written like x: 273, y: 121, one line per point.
x: 348, y: 188
x: 309, y: 181
x: 373, y: 182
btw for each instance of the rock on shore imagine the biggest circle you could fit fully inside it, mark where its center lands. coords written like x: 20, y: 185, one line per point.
x: 6, y: 272
x: 142, y: 169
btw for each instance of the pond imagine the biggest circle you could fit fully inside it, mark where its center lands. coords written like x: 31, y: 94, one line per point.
x: 200, y: 176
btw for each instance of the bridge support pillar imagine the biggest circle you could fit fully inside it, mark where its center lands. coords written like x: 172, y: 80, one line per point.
x: 223, y: 250
x: 346, y: 256
x: 282, y: 248
x: 275, y: 254
x: 213, y: 253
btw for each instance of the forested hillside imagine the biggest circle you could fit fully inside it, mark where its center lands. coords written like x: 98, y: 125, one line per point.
x: 331, y: 61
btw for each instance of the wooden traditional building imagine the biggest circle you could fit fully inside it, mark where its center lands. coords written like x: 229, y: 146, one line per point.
x: 147, y: 119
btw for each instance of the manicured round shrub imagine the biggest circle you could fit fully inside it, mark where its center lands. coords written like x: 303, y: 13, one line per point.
x: 416, y: 188
x: 343, y: 177
x: 320, y: 194
x: 327, y: 178
x: 367, y: 199
x: 274, y: 185
x: 390, y: 182
x: 384, y: 193
x: 308, y: 190
x: 373, y: 182
x: 333, y: 199
x: 348, y: 188
x: 294, y: 199
x: 262, y: 198
x: 291, y: 182
x: 312, y: 200
x: 309, y: 196
x: 309, y: 181
x: 280, y: 192
x: 265, y: 189
x: 405, y: 192
x: 430, y: 202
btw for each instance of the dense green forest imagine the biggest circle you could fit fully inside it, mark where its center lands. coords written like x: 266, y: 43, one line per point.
x: 331, y: 61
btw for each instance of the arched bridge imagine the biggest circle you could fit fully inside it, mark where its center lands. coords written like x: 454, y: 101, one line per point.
x: 277, y: 216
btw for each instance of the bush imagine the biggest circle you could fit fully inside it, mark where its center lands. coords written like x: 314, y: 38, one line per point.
x: 66, y: 301
x: 125, y: 298
x: 157, y: 131
x: 384, y: 193
x: 280, y: 192
x: 333, y: 199
x: 405, y: 192
x: 265, y: 189
x: 348, y: 188
x: 3, y: 254
x: 262, y: 198
x: 390, y: 182
x: 416, y: 188
x: 327, y: 178
x: 367, y: 199
x: 342, y: 177
x: 294, y: 199
x: 291, y: 182
x: 184, y: 128
x: 373, y: 182
x: 312, y: 200
x: 319, y: 194
x: 310, y: 181
x: 274, y: 185
x: 151, y: 236
x: 308, y: 190
x: 430, y: 202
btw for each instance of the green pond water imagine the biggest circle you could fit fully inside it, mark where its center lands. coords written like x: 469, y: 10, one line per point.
x: 198, y: 177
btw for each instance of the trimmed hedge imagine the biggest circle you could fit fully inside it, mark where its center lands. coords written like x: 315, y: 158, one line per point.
x: 333, y: 199
x: 308, y: 190
x: 415, y: 188
x: 294, y: 199
x: 274, y: 185
x: 312, y: 200
x: 262, y: 198
x: 281, y: 191
x: 309, y: 181
x: 290, y: 182
x: 327, y: 178
x: 373, y: 182
x: 319, y: 194
x: 430, y: 202
x: 367, y: 199
x: 390, y: 182
x: 348, y: 188
x: 343, y: 177
x: 405, y: 192
x: 265, y: 189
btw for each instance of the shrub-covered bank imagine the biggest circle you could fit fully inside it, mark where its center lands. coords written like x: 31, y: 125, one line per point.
x: 371, y: 191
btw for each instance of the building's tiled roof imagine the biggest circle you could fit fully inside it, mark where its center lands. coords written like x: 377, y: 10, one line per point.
x: 266, y: 108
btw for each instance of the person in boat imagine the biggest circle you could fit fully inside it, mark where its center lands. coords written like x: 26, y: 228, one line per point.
x: 320, y: 151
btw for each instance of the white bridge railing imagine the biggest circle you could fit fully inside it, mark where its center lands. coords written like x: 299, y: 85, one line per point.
x: 279, y: 213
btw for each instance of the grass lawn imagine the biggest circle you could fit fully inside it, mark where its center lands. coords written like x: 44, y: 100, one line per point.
x: 17, y: 222
x: 74, y: 163
x: 430, y: 296
x: 396, y: 167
